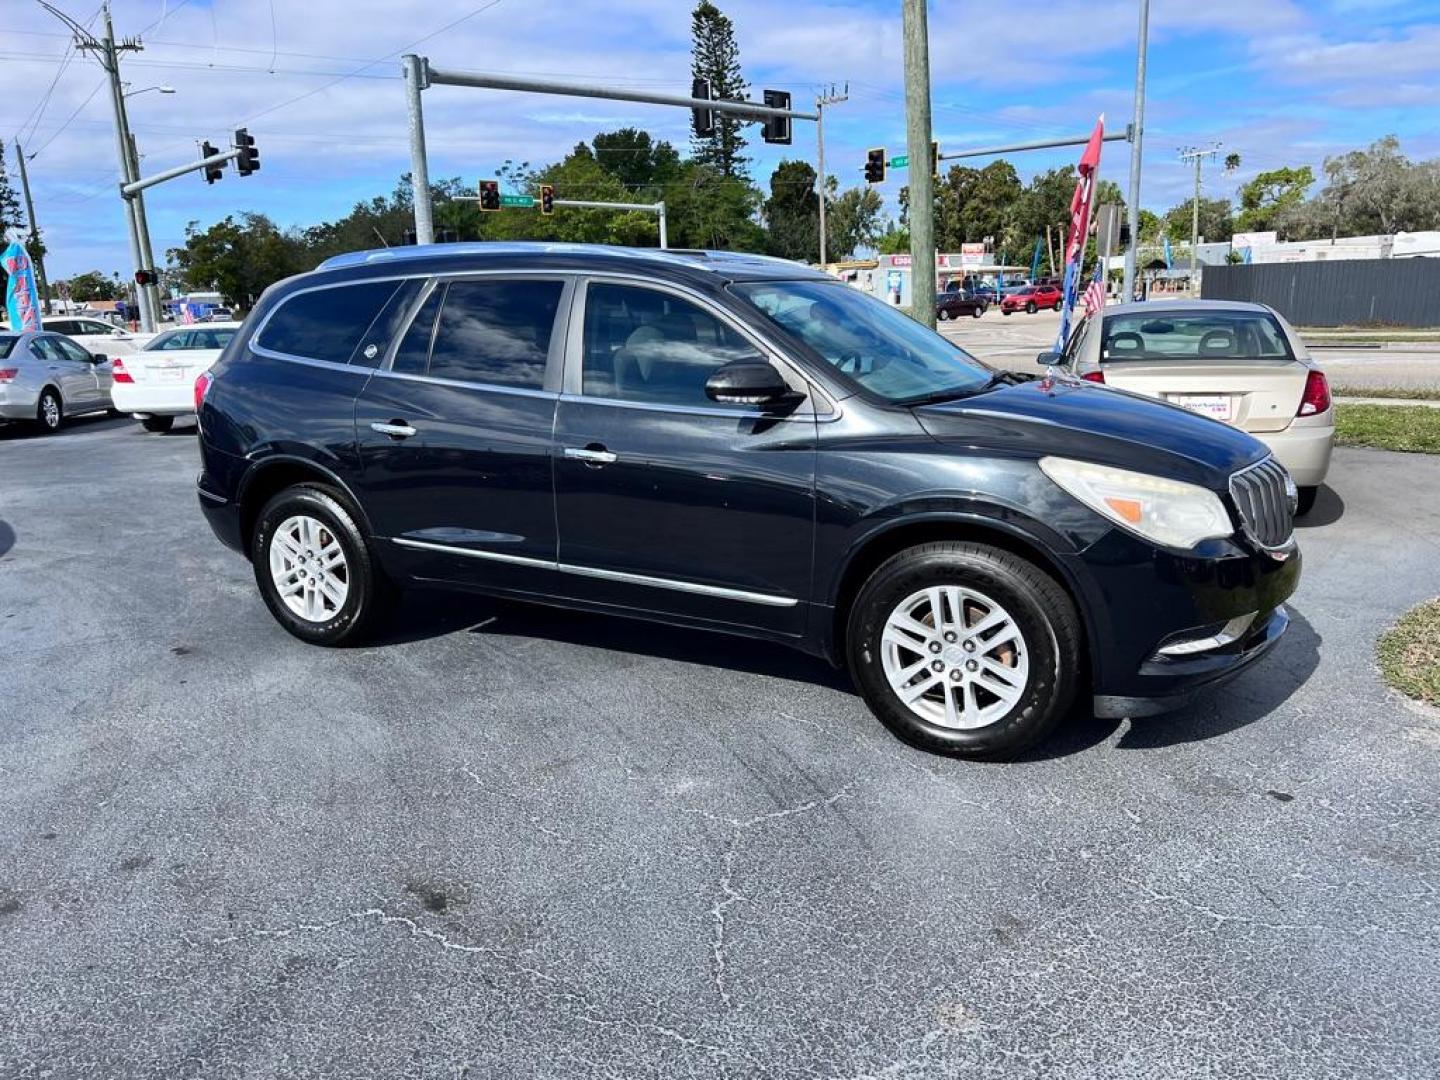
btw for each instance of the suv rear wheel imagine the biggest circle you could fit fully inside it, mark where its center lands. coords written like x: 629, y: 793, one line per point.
x: 315, y: 569
x: 965, y: 649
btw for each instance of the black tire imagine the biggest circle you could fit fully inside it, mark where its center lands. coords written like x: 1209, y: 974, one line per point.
x: 942, y: 315
x: 1306, y: 502
x: 368, y: 592
x: 977, y: 311
x: 1030, y: 308
x: 49, y: 411
x: 1041, y: 610
x: 1005, y: 311
x: 1059, y: 304
x: 158, y: 424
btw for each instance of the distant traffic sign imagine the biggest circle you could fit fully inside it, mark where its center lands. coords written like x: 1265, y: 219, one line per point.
x: 517, y: 200
x: 900, y: 162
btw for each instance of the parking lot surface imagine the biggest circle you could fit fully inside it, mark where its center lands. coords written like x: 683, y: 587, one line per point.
x: 519, y: 842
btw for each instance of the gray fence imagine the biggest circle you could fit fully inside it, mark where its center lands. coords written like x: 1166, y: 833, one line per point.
x: 1346, y: 292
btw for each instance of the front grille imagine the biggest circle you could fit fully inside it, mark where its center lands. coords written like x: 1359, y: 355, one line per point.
x: 1262, y: 497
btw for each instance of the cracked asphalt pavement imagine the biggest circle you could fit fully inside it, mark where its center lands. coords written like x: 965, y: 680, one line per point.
x: 512, y: 842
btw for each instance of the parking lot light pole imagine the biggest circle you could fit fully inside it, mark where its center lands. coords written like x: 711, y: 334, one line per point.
x: 922, y: 186
x: 1137, y: 129
x: 420, y: 75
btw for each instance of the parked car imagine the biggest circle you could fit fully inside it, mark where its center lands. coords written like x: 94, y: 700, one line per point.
x: 46, y: 377
x: 1239, y: 363
x: 95, y: 335
x: 738, y: 443
x: 952, y: 305
x: 1031, y: 299
x: 157, y: 384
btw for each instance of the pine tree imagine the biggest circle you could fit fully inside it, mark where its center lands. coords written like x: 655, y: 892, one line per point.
x: 717, y: 58
x: 10, y: 218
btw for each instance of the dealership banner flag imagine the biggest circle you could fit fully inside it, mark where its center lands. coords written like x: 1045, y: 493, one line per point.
x: 22, y: 299
x: 1035, y: 261
x: 1080, y: 204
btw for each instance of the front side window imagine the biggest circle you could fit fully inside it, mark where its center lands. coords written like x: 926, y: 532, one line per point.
x: 325, y: 324
x: 175, y: 339
x: 885, y: 352
x: 92, y: 327
x: 1193, y: 335
x: 496, y: 332
x: 646, y: 345
x: 71, y: 350
x: 211, y: 338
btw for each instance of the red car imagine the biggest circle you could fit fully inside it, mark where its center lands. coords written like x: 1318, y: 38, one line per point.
x: 1031, y: 299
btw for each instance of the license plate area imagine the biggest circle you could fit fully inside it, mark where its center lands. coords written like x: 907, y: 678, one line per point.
x: 1215, y: 406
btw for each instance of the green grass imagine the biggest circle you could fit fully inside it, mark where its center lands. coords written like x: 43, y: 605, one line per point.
x: 1410, y: 653
x: 1413, y: 393
x: 1352, y: 335
x: 1412, y: 428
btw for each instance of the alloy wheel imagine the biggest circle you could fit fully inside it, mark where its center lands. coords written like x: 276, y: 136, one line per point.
x: 954, y: 657
x: 308, y: 567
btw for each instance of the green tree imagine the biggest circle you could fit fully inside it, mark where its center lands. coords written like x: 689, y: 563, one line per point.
x: 895, y: 240
x: 92, y: 285
x: 717, y: 58
x: 1150, y: 226
x: 853, y: 220
x: 239, y: 259
x: 1216, y: 222
x: 1265, y: 200
x: 640, y: 163
x: 792, y: 212
x: 1379, y: 190
x: 710, y: 210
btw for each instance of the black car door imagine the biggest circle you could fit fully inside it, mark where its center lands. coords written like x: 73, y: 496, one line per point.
x: 666, y: 501
x: 455, y: 432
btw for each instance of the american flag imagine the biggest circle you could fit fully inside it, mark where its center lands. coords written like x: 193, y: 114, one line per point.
x: 1095, y: 293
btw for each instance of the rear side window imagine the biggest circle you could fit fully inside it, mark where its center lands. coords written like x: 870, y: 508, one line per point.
x: 376, y: 340
x: 495, y: 332
x: 412, y: 356
x: 326, y: 324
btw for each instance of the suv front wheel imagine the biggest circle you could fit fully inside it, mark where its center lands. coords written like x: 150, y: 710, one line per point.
x: 965, y: 649
x: 315, y: 569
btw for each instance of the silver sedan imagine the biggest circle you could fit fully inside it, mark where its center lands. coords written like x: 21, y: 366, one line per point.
x: 45, y: 377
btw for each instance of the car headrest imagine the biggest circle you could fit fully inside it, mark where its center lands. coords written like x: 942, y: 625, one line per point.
x: 1217, y: 343
x: 1127, y: 341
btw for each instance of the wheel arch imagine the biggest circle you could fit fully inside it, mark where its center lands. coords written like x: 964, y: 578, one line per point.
x: 891, y: 539
x: 273, y: 475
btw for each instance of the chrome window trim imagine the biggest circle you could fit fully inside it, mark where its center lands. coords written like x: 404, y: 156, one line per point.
x: 489, y: 388
x: 573, y: 384
x: 673, y: 584
x: 681, y: 410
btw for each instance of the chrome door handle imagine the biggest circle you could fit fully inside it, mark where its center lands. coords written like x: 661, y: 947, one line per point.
x: 595, y: 457
x: 395, y: 431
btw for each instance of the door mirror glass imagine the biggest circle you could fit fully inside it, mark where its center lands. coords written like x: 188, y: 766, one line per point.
x: 1049, y: 358
x: 99, y: 358
x: 748, y: 383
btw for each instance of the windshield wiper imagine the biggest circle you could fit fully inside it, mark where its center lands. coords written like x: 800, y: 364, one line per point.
x: 956, y: 393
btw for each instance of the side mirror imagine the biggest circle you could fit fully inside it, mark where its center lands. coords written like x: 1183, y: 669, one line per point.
x: 100, y: 358
x: 749, y: 383
x: 1050, y: 358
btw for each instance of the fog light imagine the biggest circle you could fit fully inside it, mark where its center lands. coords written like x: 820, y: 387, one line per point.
x: 1205, y: 638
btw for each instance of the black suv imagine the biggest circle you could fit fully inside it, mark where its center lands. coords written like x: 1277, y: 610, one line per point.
x: 743, y: 444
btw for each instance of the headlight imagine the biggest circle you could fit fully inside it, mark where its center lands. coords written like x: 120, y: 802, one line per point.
x: 1166, y: 511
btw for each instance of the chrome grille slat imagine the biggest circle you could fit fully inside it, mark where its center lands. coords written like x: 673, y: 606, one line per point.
x: 1260, y: 497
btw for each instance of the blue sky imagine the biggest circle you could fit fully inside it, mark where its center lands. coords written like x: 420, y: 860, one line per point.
x: 1281, y: 82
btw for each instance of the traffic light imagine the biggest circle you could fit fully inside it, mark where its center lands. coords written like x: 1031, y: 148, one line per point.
x: 704, y: 118
x: 875, y: 166
x: 547, y: 199
x: 145, y: 277
x: 777, y: 128
x: 249, y: 159
x: 212, y: 172
x: 935, y: 160
x: 489, y: 195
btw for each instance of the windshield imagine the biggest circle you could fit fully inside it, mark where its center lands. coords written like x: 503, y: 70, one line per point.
x: 1193, y: 335
x: 875, y: 345
x: 6, y: 345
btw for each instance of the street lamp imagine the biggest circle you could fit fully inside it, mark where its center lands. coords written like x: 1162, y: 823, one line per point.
x: 163, y: 89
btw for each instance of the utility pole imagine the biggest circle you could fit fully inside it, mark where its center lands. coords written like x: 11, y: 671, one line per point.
x: 34, y: 230
x: 922, y: 186
x: 1137, y: 130
x: 832, y: 98
x: 107, y: 50
x: 1197, y: 155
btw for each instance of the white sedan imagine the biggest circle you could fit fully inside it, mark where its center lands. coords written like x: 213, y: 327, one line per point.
x: 95, y: 335
x: 157, y: 384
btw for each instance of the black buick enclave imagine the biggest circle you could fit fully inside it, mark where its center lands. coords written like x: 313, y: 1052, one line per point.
x: 739, y: 443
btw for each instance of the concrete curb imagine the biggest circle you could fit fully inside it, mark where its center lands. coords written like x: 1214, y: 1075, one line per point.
x: 1423, y: 403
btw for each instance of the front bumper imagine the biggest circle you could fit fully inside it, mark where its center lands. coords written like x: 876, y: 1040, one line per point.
x: 1141, y: 598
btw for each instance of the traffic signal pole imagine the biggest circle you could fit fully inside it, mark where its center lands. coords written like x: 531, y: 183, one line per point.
x: 420, y: 76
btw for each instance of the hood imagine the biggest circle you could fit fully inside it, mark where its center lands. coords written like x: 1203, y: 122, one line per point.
x: 1080, y: 420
